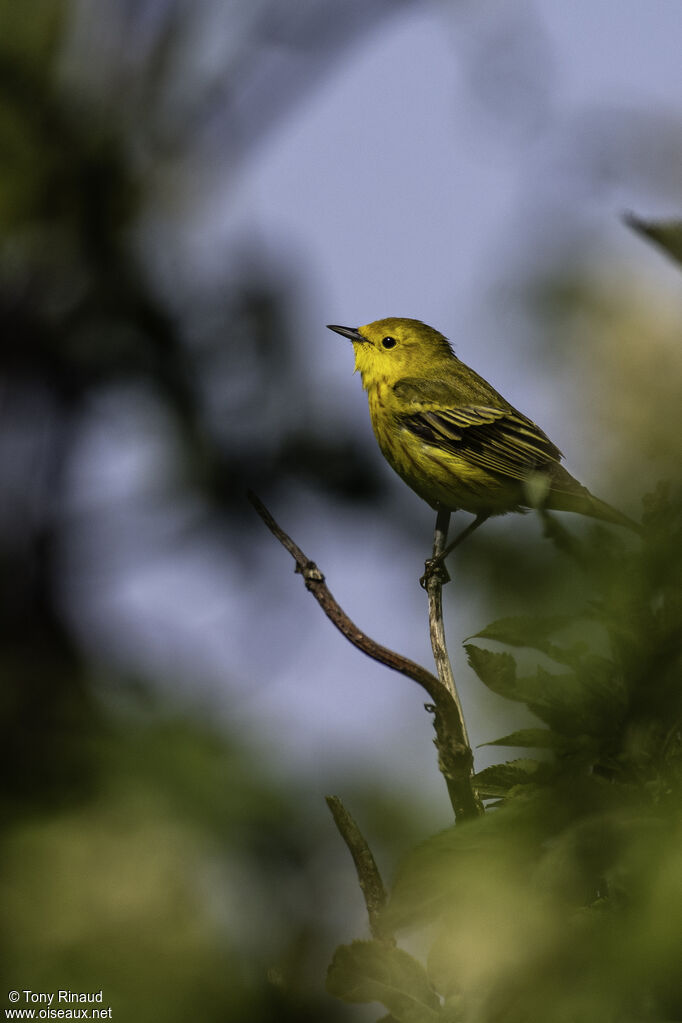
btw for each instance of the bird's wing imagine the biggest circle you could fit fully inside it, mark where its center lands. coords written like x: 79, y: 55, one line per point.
x: 499, y: 440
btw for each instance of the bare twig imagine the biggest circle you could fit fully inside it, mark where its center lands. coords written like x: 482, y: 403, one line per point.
x: 314, y: 581
x: 456, y: 759
x: 365, y: 865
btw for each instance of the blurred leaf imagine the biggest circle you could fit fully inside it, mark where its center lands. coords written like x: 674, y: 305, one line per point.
x: 499, y: 779
x: 178, y: 876
x: 437, y: 872
x: 524, y: 630
x: 532, y: 738
x: 534, y: 632
x: 666, y: 234
x: 496, y: 671
x: 367, y: 971
x: 28, y: 33
x: 571, y: 703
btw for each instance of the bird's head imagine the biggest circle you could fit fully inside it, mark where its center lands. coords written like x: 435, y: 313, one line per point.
x: 388, y: 350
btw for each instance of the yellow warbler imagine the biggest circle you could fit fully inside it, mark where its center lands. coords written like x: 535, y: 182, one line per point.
x: 450, y: 435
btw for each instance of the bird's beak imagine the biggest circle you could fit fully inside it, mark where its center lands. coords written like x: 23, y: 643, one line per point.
x: 352, y: 333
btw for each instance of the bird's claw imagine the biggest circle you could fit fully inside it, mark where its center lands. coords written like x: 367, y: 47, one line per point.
x: 434, y: 568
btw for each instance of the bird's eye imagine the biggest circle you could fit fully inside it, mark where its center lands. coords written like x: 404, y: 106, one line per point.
x: 388, y: 342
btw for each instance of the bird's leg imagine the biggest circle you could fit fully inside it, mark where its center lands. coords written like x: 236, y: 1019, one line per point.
x: 435, y: 563
x: 478, y: 521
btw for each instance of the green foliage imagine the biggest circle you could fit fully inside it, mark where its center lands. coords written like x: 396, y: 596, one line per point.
x: 529, y: 738
x: 667, y: 234
x: 563, y: 902
x: 372, y: 971
x: 174, y: 887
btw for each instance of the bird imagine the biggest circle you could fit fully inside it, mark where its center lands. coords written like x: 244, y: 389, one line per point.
x: 455, y: 440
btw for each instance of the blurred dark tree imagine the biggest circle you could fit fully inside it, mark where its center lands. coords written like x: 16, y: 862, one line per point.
x: 82, y: 125
x: 99, y: 111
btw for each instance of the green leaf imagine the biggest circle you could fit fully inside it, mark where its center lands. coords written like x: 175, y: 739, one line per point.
x: 524, y: 630
x: 531, y: 738
x: 571, y: 656
x: 582, y: 702
x: 499, y: 779
x: 496, y: 671
x: 557, y: 700
x: 368, y: 971
x: 533, y: 632
x: 438, y: 876
x: 667, y: 234
x: 551, y: 697
x: 575, y: 704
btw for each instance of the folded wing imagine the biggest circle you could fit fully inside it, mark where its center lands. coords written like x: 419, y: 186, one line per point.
x: 500, y: 441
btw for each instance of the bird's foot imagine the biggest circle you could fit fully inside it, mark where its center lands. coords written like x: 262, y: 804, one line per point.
x: 434, y: 568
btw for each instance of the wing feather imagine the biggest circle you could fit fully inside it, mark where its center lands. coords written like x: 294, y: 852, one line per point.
x: 499, y: 440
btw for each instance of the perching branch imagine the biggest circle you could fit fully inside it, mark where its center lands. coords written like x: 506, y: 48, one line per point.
x: 456, y: 759
x: 433, y: 579
x: 365, y: 865
x: 454, y: 753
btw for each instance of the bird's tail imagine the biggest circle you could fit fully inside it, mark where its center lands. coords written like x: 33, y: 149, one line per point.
x: 567, y: 494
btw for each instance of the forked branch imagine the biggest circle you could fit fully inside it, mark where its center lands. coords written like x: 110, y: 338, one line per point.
x: 315, y: 582
x: 454, y: 753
